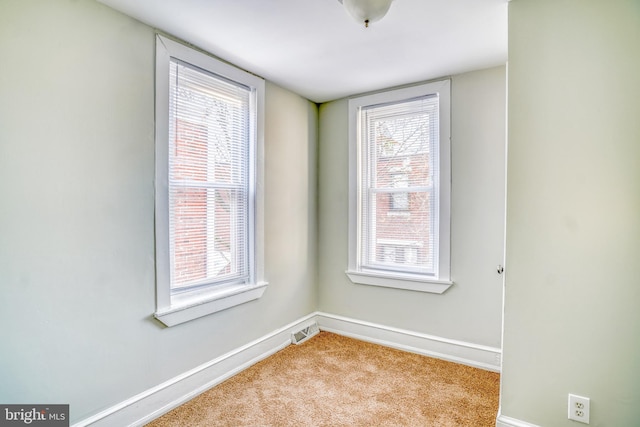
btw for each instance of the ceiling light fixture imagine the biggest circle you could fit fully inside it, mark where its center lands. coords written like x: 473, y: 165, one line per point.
x: 367, y: 11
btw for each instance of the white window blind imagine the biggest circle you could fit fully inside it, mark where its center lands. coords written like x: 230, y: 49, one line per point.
x: 399, y: 186
x: 211, y: 121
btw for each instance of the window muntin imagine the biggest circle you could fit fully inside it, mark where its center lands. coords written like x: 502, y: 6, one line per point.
x: 399, y: 187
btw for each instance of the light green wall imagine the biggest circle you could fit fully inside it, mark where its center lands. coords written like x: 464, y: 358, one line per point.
x: 76, y: 214
x: 572, y: 321
x: 470, y: 310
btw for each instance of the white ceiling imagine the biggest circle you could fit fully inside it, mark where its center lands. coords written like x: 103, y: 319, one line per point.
x: 314, y: 48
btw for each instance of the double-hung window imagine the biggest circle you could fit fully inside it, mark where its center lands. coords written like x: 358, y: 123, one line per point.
x: 400, y: 188
x: 208, y: 162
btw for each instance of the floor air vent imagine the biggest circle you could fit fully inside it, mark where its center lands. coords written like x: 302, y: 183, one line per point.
x: 304, y: 334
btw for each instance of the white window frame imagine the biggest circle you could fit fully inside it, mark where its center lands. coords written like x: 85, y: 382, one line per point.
x: 176, y: 308
x: 399, y: 279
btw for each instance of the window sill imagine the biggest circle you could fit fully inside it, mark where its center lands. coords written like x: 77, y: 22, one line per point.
x: 189, y: 306
x: 399, y: 281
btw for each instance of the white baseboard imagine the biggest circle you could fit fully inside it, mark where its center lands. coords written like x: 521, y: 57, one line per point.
x: 150, y: 404
x: 503, y: 421
x: 475, y: 355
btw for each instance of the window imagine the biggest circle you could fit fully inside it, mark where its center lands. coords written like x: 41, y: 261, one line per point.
x: 208, y: 165
x: 400, y: 188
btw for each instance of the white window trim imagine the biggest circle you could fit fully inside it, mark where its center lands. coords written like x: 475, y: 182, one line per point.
x: 180, y: 308
x: 399, y: 280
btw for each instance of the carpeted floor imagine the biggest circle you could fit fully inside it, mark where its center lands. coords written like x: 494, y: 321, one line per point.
x: 332, y: 380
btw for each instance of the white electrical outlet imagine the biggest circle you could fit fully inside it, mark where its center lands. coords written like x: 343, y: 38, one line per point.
x: 579, y: 408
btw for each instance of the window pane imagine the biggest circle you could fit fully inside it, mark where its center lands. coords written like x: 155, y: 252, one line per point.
x: 209, y: 241
x: 409, y: 237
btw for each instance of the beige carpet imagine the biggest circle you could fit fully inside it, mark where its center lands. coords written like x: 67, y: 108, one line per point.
x: 332, y: 380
